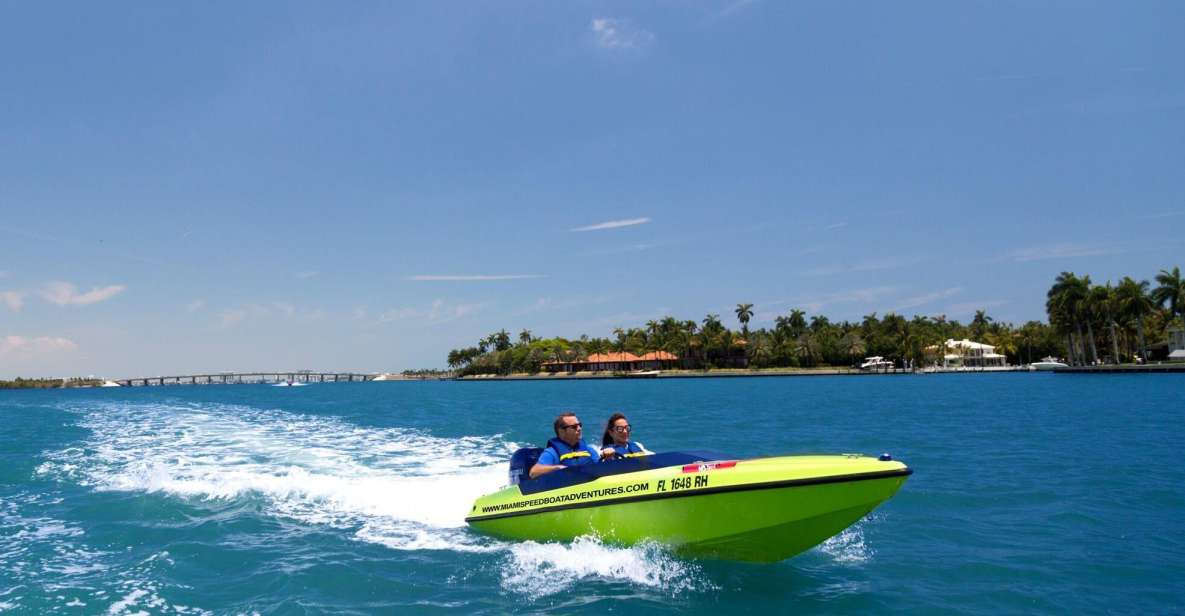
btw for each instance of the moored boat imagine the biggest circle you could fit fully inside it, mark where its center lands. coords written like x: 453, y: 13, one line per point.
x: 876, y: 364
x: 700, y: 504
x: 1048, y: 363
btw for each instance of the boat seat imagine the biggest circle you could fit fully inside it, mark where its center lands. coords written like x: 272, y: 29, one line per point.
x: 575, y: 475
x: 521, y: 463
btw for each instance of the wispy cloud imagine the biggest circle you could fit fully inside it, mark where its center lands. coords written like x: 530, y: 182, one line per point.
x: 11, y: 345
x: 922, y: 300
x: 618, y: 34
x: 195, y: 305
x: 307, y: 274
x: 438, y: 312
x: 734, y: 6
x: 1059, y: 251
x: 838, y: 225
x: 231, y: 317
x: 474, y: 277
x: 870, y: 265
x: 14, y: 300
x: 613, y: 224
x: 66, y: 294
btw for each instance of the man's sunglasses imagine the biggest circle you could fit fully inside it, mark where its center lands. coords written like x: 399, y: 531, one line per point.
x: 572, y: 426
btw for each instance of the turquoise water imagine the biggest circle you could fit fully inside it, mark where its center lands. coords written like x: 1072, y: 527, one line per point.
x: 1032, y: 493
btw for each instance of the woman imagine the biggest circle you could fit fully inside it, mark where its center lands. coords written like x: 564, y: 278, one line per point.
x: 616, y: 442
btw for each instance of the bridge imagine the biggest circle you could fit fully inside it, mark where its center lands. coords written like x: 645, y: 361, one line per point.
x: 239, y: 378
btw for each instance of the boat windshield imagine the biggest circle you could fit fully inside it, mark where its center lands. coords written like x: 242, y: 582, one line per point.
x: 575, y: 475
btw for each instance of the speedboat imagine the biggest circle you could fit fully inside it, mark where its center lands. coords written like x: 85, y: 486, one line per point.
x: 876, y: 363
x: 698, y: 503
x: 1047, y: 363
x: 288, y: 384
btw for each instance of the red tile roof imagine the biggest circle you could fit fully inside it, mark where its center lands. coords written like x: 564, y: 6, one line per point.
x: 596, y: 358
x: 624, y: 357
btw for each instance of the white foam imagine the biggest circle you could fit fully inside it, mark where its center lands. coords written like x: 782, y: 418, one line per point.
x: 848, y: 547
x: 129, y: 600
x: 400, y: 488
x: 540, y: 569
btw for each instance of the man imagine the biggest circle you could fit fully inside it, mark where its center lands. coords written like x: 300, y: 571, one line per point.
x: 567, y: 448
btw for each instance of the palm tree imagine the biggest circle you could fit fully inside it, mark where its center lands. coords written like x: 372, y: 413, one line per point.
x: 524, y: 337
x: 979, y: 324
x: 744, y: 313
x: 501, y: 340
x: 1088, y: 310
x: 690, y: 341
x: 652, y: 335
x: 853, y: 344
x: 806, y: 347
x: 1103, y: 305
x: 1064, y: 303
x: 1171, y: 291
x: 1134, y: 305
x: 797, y: 322
x: 712, y: 336
x: 619, y: 339
x: 759, y: 350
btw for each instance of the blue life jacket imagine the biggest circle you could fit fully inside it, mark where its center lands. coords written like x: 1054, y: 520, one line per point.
x: 572, y: 456
x: 631, y: 450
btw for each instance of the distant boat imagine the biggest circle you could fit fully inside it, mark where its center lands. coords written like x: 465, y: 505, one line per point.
x: 1047, y: 363
x: 288, y: 384
x: 875, y: 364
x: 642, y: 374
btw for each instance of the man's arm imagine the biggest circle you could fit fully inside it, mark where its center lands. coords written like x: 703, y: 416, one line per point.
x: 543, y: 469
x: 549, y: 461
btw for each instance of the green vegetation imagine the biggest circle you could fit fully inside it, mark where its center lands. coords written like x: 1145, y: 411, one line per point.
x: 47, y: 383
x: 427, y: 373
x: 1120, y: 319
x: 1124, y: 319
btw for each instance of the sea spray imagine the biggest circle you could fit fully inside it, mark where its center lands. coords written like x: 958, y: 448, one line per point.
x: 535, y: 570
x: 398, y: 487
x: 395, y: 487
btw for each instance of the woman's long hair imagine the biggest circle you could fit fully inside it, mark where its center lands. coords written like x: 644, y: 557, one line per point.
x: 607, y: 438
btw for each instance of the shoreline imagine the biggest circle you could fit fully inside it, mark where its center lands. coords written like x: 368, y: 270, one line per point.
x: 781, y: 372
x: 718, y: 373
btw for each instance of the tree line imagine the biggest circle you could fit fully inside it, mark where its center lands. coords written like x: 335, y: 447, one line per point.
x: 48, y: 383
x: 1119, y: 318
x: 1128, y: 316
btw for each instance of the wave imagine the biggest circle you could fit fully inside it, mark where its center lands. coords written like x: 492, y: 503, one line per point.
x: 397, y: 487
x: 50, y: 564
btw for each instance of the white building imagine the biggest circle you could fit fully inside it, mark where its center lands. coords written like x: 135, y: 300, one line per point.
x: 967, y: 354
x: 1176, y: 343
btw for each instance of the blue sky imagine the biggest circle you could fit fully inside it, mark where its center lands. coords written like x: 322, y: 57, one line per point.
x: 238, y: 186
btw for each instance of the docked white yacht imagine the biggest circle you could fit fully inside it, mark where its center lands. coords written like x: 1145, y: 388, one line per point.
x: 876, y: 364
x: 1047, y: 363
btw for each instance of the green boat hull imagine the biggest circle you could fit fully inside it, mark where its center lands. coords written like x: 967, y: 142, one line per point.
x: 763, y: 510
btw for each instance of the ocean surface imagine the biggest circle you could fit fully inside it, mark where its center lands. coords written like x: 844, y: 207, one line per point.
x: 1032, y: 493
